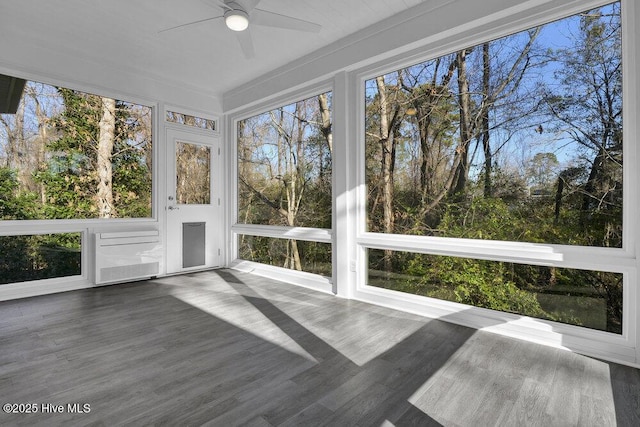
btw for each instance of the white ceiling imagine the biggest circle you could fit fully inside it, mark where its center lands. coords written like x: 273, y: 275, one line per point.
x: 124, y: 35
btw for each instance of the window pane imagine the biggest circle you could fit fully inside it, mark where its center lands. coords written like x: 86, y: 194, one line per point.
x: 66, y: 154
x: 189, y: 120
x: 517, y: 139
x: 284, y: 165
x: 312, y: 257
x: 592, y: 299
x: 193, y: 174
x: 26, y: 258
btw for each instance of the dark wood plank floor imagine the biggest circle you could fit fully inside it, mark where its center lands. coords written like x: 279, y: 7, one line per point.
x: 224, y: 348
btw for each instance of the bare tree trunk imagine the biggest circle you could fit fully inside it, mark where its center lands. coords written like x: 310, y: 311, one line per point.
x: 386, y: 143
x: 291, y: 175
x: 12, y: 130
x: 7, y: 147
x: 296, y: 264
x: 466, y: 127
x: 424, y: 121
x: 388, y: 160
x: 43, y: 139
x: 590, y: 194
x: 325, y: 115
x: 106, y: 141
x: 244, y: 169
x: 280, y: 136
x: 558, y: 204
x: 296, y: 186
x: 15, y: 150
x: 426, y: 102
x: 486, y: 143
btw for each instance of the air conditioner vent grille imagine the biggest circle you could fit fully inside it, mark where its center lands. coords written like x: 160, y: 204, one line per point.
x: 125, y: 272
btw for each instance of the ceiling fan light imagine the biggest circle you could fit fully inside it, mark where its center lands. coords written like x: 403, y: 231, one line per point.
x: 236, y: 20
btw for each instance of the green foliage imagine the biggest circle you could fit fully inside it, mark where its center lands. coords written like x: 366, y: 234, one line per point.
x: 67, y: 175
x: 70, y: 181
x: 132, y: 185
x: 482, y: 218
x: 67, y: 194
x: 475, y: 282
x: 25, y: 258
x: 578, y: 297
x: 15, y: 204
x: 487, y: 285
x: 8, y: 187
x: 32, y: 257
x: 9, y: 205
x: 315, y: 257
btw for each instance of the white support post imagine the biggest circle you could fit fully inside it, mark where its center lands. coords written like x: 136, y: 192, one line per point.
x: 344, y: 181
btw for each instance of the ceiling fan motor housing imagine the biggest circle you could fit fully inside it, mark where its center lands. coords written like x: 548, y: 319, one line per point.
x: 236, y: 20
x: 235, y: 17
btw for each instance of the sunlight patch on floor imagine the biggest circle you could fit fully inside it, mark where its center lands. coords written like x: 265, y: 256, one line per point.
x: 250, y: 319
x: 361, y: 341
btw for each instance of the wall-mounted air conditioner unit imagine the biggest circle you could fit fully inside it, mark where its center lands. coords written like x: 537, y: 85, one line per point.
x: 127, y: 255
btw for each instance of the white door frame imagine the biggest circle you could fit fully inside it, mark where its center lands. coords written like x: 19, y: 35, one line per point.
x: 177, y: 214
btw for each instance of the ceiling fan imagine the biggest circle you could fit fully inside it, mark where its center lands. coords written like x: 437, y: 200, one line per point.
x: 239, y: 15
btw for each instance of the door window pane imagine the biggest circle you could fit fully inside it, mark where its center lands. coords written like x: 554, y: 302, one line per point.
x: 193, y: 174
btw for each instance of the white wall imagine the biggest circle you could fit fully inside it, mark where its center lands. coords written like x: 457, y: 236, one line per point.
x: 22, y: 55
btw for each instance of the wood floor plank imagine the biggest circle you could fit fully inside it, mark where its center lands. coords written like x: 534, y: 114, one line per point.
x: 224, y: 348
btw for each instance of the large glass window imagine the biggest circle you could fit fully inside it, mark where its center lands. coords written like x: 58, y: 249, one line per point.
x: 284, y: 180
x: 312, y: 257
x: 516, y: 139
x: 36, y: 257
x: 66, y: 154
x: 284, y: 165
x: 592, y: 299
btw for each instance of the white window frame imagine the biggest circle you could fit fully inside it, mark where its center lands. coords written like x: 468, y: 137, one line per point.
x: 90, y: 222
x: 623, y: 347
x: 195, y: 113
x: 57, y: 284
x: 87, y: 227
x: 311, y: 234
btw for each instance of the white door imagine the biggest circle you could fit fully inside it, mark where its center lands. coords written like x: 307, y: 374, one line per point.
x: 193, y: 204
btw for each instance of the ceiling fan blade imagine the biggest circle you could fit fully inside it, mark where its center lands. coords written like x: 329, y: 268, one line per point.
x: 222, y: 4
x: 247, y: 5
x: 270, y: 19
x: 200, y: 21
x: 246, y: 43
